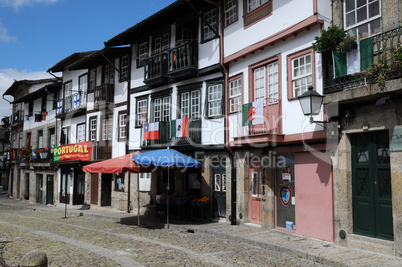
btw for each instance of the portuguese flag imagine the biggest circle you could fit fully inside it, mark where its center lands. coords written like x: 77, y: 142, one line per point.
x: 179, y: 128
x: 252, y: 113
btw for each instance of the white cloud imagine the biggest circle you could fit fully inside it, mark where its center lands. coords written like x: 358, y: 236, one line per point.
x: 7, y: 77
x: 4, y: 37
x: 18, y: 4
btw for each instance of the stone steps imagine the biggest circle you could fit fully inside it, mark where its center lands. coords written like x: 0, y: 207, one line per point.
x: 370, y: 244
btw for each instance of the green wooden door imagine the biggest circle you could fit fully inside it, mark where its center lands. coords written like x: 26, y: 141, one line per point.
x: 372, y: 197
x: 49, y: 189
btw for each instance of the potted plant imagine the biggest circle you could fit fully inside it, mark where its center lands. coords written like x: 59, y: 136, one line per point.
x: 348, y: 44
x: 26, y: 196
x: 329, y: 39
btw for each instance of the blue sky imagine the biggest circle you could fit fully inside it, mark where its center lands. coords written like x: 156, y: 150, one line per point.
x: 36, y: 34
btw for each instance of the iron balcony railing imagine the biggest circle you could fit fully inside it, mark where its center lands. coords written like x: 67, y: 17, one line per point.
x: 163, y: 135
x: 194, y: 134
x: 386, y: 49
x: 71, y: 103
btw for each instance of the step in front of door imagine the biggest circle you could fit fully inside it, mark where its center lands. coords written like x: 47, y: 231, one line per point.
x: 371, y: 244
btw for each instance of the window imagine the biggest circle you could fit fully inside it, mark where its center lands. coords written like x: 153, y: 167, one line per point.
x: 214, y: 100
x: 64, y: 138
x: 124, y: 68
x: 20, y: 143
x: 107, y: 126
x: 54, y: 100
x: 142, y: 54
x: 255, y: 10
x: 266, y: 81
x: 161, y: 109
x: 145, y: 181
x: 83, y: 85
x: 119, y: 185
x: 230, y: 9
x: 52, y: 139
x: 68, y: 87
x: 43, y: 104
x: 235, y: 87
x: 302, y: 74
x: 40, y: 139
x: 68, y: 105
x: 80, y: 132
x: 92, y: 80
x: 362, y: 17
x: 108, y: 74
x: 259, y: 83
x: 122, y: 125
x: 254, y: 4
x: 142, y: 111
x: 14, y: 140
x: 30, y: 108
x: 161, y: 44
x: 210, y: 21
x: 92, y: 128
x: 190, y: 102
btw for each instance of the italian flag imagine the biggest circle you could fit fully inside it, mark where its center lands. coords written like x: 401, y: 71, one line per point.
x: 179, y: 128
x: 354, y: 61
x: 252, y: 113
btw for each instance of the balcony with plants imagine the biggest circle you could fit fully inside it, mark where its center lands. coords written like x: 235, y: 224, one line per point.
x: 378, y: 59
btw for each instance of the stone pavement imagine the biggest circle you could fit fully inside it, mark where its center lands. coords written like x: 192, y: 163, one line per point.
x: 323, y: 252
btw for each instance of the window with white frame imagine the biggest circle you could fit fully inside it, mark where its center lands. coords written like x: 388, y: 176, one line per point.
x: 124, y: 67
x: 122, y: 125
x: 259, y: 83
x: 142, y: 111
x: 253, y: 4
x: 161, y: 44
x: 273, y: 83
x: 235, y: 87
x: 107, y: 127
x: 145, y: 181
x: 190, y: 104
x: 142, y: 53
x: 68, y: 87
x: 92, y: 128
x: 108, y: 74
x: 362, y: 17
x: 214, y: 100
x: 210, y: 21
x: 83, y: 83
x: 230, y: 9
x: 161, y: 110
x: 302, y: 74
x: 81, y: 132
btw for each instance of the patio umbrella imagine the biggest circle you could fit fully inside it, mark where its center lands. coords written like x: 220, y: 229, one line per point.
x: 117, y: 165
x: 166, y: 158
x: 114, y: 165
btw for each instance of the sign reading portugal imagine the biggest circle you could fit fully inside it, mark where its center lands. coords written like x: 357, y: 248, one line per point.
x: 78, y: 151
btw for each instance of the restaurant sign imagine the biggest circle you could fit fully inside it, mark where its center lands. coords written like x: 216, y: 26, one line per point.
x: 78, y: 151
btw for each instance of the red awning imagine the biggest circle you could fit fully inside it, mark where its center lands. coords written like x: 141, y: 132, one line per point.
x: 115, y: 165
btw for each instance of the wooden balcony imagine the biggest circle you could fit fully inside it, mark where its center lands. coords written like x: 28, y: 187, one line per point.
x: 387, y: 63
x: 183, y: 61
x: 155, y: 70
x: 104, y: 96
x: 194, y: 135
x: 162, y: 141
x: 17, y: 118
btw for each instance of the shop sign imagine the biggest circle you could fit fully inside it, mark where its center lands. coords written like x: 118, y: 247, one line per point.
x: 78, y: 151
x: 286, y: 195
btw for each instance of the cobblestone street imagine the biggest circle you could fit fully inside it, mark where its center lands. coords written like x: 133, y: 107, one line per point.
x: 82, y: 241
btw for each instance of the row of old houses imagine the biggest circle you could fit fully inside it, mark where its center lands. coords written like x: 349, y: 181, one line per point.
x: 187, y: 73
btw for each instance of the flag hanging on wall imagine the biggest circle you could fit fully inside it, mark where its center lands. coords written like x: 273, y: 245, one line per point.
x: 252, y: 113
x: 179, y: 128
x: 354, y: 61
x: 151, y: 131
